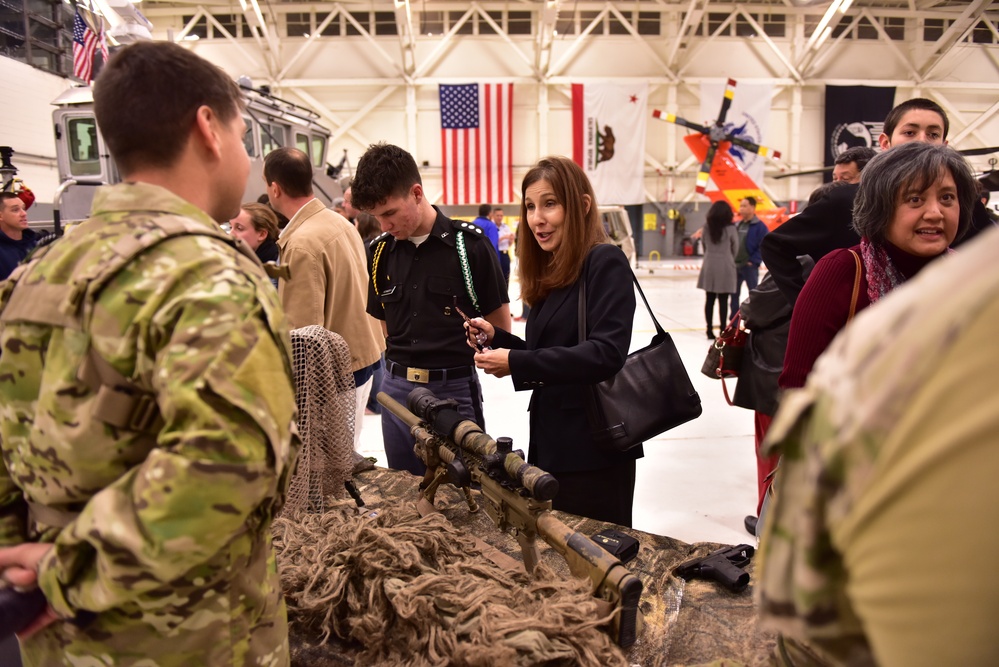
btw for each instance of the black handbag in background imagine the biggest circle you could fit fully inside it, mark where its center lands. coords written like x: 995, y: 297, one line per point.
x: 651, y: 394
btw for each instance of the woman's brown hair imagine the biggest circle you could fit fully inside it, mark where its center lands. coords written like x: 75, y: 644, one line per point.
x: 542, y: 271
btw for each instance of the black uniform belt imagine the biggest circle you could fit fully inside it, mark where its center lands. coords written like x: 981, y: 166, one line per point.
x: 424, y: 375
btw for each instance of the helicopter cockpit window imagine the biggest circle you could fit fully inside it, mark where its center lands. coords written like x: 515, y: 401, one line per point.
x: 318, y: 152
x: 271, y: 138
x: 248, y: 138
x: 84, y: 159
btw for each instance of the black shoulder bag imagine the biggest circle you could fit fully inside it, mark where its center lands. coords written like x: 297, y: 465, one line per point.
x: 651, y: 394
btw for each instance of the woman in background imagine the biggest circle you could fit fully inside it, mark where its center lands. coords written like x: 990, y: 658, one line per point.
x: 563, y: 241
x: 718, y: 277
x: 257, y: 225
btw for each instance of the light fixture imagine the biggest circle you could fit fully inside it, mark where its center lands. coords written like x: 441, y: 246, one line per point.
x: 819, y: 34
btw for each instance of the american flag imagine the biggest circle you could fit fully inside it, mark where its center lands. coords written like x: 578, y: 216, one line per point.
x: 85, y: 42
x: 477, y: 155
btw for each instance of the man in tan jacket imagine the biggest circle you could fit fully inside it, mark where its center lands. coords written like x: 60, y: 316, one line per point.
x: 328, y: 266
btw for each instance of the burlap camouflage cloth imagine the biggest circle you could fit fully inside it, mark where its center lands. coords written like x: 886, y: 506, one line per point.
x: 686, y: 623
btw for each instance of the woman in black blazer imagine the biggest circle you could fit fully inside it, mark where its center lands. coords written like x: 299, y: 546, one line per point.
x: 563, y: 239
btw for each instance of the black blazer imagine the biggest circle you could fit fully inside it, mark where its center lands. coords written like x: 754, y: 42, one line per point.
x: 822, y: 227
x: 557, y: 367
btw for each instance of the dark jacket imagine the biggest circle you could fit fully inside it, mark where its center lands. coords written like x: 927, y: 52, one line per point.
x: 268, y: 251
x: 821, y: 228
x: 754, y: 237
x: 12, y: 252
x: 557, y: 367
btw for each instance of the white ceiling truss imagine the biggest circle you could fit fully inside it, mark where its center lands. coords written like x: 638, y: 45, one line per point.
x: 555, y: 52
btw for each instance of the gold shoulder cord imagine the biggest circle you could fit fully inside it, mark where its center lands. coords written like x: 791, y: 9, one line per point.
x: 374, y: 268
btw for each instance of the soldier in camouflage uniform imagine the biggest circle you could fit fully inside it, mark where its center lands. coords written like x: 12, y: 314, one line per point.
x: 147, y: 404
x: 880, y: 547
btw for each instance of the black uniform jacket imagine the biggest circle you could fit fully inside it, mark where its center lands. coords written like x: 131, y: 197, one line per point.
x: 557, y: 367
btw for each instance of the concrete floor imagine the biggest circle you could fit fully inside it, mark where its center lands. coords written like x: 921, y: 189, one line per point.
x: 697, y: 482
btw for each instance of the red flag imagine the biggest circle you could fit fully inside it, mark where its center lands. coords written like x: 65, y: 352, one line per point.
x: 477, y: 155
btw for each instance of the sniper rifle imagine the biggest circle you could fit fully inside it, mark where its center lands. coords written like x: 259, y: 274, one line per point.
x: 515, y: 495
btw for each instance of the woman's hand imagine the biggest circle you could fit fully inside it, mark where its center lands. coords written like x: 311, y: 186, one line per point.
x: 494, y: 362
x: 480, y: 333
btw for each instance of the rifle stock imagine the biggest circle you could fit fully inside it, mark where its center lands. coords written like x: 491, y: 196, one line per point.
x: 516, y: 496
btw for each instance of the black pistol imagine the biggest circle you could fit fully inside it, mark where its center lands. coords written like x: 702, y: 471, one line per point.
x: 724, y: 566
x: 18, y: 609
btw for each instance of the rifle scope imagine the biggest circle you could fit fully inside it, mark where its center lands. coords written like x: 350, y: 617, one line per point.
x: 444, y: 419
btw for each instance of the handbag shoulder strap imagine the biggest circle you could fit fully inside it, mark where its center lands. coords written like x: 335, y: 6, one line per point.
x: 856, y: 287
x: 581, y: 307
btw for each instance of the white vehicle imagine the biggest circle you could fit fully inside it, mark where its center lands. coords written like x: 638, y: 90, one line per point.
x: 84, y: 161
x: 618, y: 227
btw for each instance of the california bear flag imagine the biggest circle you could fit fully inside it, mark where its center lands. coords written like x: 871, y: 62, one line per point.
x: 608, y: 140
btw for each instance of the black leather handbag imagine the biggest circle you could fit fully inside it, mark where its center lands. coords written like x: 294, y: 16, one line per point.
x: 650, y: 395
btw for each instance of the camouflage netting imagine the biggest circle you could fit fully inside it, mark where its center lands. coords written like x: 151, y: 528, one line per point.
x: 324, y: 389
x: 416, y: 591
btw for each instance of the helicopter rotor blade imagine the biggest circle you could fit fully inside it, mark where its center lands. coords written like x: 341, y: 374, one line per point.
x: 979, y: 151
x: 705, y: 171
x: 756, y: 148
x: 667, y: 117
x: 726, y: 101
x: 802, y: 173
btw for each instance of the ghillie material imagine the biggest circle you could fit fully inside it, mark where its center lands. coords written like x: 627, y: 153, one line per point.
x: 416, y: 591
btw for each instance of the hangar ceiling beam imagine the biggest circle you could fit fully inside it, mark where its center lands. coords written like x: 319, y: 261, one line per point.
x: 309, y: 42
x: 643, y: 42
x: 769, y: 42
x: 890, y: 43
x: 969, y: 128
x: 691, y: 18
x: 957, y: 30
x: 443, y: 46
x: 324, y: 111
x: 578, y: 43
x: 407, y: 37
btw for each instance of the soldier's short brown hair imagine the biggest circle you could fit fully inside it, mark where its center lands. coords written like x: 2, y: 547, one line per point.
x: 146, y: 99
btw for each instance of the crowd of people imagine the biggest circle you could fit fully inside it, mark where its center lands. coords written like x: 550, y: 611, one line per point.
x: 147, y: 450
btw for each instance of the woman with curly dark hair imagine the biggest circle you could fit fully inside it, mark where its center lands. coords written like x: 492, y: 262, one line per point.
x: 718, y: 276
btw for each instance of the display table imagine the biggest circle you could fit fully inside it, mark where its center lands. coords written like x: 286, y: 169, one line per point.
x: 686, y: 623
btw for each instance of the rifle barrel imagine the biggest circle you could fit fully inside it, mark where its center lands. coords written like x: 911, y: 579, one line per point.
x: 398, y: 409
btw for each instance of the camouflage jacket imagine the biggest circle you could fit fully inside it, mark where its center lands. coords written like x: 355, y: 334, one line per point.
x: 166, y: 528
x: 877, y: 548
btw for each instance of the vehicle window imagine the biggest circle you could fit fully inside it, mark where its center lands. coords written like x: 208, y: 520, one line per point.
x: 248, y: 139
x: 84, y: 159
x: 271, y: 137
x: 302, y: 142
x: 318, y: 152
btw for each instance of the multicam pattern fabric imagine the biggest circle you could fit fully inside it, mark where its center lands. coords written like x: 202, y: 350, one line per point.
x: 170, y: 544
x: 888, y: 478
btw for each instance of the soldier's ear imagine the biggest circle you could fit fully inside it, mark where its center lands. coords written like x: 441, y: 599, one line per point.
x: 417, y: 191
x: 207, y: 128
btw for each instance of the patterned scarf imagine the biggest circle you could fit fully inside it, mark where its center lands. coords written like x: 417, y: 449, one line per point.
x: 882, y: 276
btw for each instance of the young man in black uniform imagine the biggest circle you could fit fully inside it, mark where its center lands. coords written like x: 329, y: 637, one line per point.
x: 422, y: 269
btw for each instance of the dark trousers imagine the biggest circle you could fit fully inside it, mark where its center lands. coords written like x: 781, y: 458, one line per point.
x: 709, y: 307
x: 745, y: 274
x: 504, y: 257
x: 605, y: 495
x: 398, y: 440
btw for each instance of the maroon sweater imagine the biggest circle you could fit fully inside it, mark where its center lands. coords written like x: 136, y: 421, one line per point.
x: 824, y: 305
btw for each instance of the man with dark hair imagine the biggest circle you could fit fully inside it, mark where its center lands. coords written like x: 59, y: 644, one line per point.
x: 148, y: 409
x: 747, y: 260
x: 489, y: 228
x: 918, y: 119
x: 422, y: 270
x: 326, y: 259
x: 16, y: 240
x: 851, y: 162
x: 506, y: 237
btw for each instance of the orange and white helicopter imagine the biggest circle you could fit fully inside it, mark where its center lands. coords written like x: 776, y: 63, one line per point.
x: 710, y: 145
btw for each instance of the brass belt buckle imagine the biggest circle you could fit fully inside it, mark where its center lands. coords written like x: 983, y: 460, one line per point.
x: 421, y: 375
